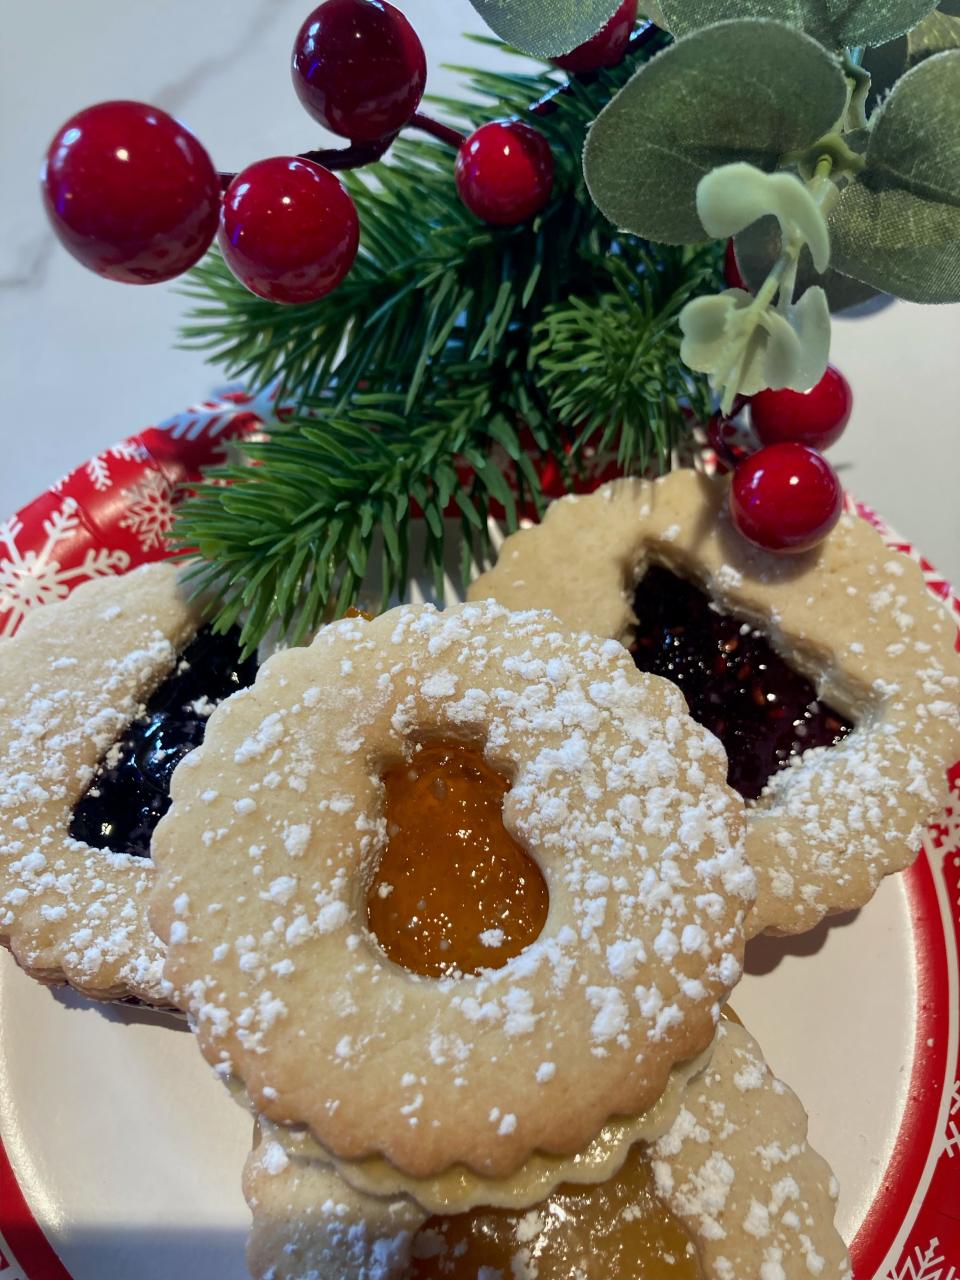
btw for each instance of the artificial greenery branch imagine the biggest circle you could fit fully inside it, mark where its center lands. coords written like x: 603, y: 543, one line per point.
x: 454, y: 360
x: 824, y: 138
x: 883, y: 174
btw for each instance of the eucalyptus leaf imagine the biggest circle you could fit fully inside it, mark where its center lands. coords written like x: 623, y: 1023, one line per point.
x: 835, y: 23
x: 652, y: 10
x: 747, y: 90
x: 758, y: 247
x: 897, y: 226
x: 546, y: 28
x: 935, y: 34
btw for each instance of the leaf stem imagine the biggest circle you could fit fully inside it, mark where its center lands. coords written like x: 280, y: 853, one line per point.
x: 858, y: 90
x: 729, y: 373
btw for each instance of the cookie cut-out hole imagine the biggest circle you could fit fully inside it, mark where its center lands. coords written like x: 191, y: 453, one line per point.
x: 763, y: 711
x: 618, y: 1228
x: 453, y: 891
x: 130, y: 791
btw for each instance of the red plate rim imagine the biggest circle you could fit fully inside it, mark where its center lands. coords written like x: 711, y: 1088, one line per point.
x: 908, y: 1211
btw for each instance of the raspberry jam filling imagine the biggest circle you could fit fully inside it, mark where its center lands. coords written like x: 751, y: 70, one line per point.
x: 765, y: 713
x: 130, y: 791
x: 453, y: 892
x: 616, y: 1229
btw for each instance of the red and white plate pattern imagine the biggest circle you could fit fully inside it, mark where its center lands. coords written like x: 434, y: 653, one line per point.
x: 882, y: 989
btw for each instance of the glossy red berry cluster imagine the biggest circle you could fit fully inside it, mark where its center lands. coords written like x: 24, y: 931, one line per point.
x: 135, y: 197
x: 784, y: 495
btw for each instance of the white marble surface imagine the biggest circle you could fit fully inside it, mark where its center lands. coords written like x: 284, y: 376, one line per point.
x: 85, y: 362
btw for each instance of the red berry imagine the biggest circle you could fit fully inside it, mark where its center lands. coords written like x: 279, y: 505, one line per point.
x: 816, y: 417
x: 130, y: 192
x: 731, y: 269
x: 359, y: 68
x: 289, y: 230
x: 785, y: 497
x: 607, y: 47
x: 504, y: 172
x: 727, y: 439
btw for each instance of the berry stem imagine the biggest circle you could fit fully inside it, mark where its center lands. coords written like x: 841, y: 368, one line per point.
x: 442, y: 132
x: 358, y: 154
x: 355, y: 156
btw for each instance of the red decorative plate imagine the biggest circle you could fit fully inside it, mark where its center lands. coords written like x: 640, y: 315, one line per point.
x: 121, y: 1154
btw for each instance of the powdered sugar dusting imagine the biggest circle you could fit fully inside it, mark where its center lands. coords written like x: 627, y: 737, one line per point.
x: 72, y: 680
x: 857, y: 620
x: 736, y: 1168
x: 633, y: 854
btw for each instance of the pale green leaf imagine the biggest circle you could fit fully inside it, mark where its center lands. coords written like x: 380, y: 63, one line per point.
x: 546, y: 28
x: 759, y: 247
x: 810, y: 318
x: 897, y: 227
x: 704, y: 324
x: 798, y: 343
x: 736, y: 195
x: 783, y: 354
x: 749, y: 90
x: 835, y: 23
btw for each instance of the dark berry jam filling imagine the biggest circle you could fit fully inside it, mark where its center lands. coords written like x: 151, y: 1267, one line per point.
x: 763, y: 711
x: 131, y: 790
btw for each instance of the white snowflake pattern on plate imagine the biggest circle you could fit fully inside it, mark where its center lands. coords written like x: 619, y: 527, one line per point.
x: 98, y: 468
x: 149, y: 512
x: 924, y: 1264
x: 37, y: 577
x: 952, y: 1140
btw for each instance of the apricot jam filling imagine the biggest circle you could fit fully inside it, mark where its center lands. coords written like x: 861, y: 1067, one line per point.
x: 616, y: 1230
x: 453, y: 892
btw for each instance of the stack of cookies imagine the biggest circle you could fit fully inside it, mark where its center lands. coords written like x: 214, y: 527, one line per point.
x: 455, y: 900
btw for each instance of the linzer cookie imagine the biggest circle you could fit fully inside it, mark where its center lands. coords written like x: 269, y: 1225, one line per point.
x: 728, y: 1189
x: 269, y: 856
x: 830, y: 676
x: 458, y: 1189
x: 100, y: 695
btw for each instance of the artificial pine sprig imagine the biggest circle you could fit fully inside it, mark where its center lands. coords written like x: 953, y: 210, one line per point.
x: 328, y: 504
x: 611, y: 364
x: 432, y: 378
